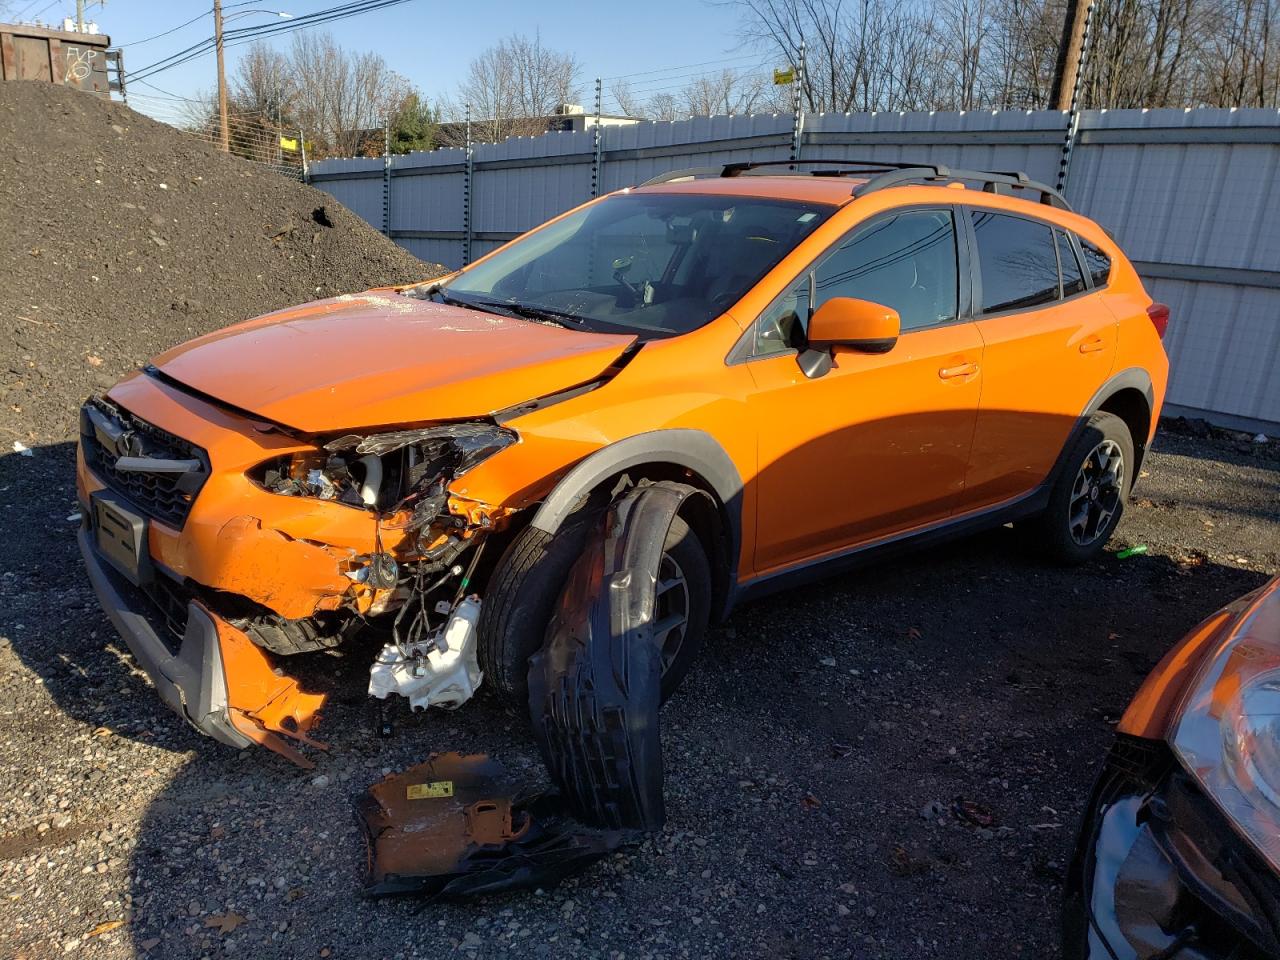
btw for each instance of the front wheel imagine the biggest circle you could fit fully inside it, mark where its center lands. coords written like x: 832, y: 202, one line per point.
x: 1090, y: 493
x: 523, y: 591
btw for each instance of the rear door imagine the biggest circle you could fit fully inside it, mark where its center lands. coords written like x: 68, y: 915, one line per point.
x: 1049, y: 342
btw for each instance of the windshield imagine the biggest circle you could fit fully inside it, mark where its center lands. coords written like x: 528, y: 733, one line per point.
x: 652, y: 264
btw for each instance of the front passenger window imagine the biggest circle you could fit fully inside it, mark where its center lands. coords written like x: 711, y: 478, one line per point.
x: 905, y: 260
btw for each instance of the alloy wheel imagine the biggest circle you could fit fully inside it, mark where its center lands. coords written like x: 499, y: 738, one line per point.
x: 671, y: 612
x: 1095, y: 495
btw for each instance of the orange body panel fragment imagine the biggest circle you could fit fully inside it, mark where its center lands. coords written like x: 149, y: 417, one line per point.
x: 265, y: 705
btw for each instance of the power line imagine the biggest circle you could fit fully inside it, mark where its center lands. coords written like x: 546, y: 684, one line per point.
x: 248, y: 34
x: 683, y: 66
x: 185, y: 23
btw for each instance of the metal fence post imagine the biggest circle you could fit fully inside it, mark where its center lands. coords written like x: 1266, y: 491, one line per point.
x: 386, y: 180
x: 467, y: 172
x: 302, y: 147
x: 596, y: 144
x: 1073, y: 115
x: 797, y: 123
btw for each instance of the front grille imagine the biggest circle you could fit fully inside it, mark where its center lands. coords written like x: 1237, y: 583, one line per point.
x: 108, y: 433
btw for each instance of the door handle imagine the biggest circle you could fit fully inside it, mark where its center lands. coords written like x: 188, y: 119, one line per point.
x: 1093, y: 345
x: 958, y: 371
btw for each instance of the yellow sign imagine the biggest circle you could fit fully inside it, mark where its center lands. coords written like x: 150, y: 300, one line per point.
x: 783, y: 77
x: 289, y: 143
x: 426, y: 791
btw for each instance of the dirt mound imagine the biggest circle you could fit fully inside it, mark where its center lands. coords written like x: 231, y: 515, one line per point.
x: 122, y: 236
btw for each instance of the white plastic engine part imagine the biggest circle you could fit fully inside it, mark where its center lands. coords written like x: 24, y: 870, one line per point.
x: 440, y: 671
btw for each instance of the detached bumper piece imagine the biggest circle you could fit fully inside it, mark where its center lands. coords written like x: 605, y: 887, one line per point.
x: 458, y: 826
x: 1160, y: 873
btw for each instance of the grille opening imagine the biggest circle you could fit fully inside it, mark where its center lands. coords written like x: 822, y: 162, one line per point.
x: 163, y: 496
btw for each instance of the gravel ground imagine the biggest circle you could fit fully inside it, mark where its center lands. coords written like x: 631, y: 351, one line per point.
x: 814, y: 759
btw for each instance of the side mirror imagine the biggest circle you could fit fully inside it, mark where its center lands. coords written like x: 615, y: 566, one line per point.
x: 854, y: 324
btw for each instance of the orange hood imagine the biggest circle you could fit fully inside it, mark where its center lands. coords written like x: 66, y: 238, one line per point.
x: 378, y: 358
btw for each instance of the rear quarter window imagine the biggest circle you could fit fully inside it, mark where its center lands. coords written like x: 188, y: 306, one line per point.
x: 1096, y: 262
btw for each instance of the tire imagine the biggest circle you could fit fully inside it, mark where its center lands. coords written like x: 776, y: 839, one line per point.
x: 529, y: 579
x: 1089, y: 495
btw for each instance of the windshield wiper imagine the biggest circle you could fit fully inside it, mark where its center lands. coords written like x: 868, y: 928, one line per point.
x: 510, y: 308
x: 532, y: 312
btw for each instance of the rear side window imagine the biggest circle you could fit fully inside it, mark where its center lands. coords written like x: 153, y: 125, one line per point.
x: 1072, y: 278
x: 1096, y: 262
x: 1018, y: 262
x: 905, y: 260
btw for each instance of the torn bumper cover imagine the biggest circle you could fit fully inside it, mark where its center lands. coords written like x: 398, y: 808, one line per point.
x: 214, y: 677
x: 457, y: 826
x: 190, y: 680
x: 1159, y: 872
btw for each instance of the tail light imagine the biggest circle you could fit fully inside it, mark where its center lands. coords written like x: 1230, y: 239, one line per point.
x: 1159, y: 314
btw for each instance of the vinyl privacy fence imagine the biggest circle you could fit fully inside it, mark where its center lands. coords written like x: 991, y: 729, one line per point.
x: 1192, y: 196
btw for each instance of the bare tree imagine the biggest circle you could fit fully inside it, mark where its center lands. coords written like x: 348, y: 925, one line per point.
x: 345, y: 98
x: 966, y: 54
x: 513, y: 87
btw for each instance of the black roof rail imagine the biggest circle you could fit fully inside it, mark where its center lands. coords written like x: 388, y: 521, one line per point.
x: 689, y: 173
x: 883, y: 174
x: 991, y: 182
x: 737, y: 169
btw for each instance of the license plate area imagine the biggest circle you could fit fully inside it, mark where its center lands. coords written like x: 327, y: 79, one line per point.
x: 121, y: 537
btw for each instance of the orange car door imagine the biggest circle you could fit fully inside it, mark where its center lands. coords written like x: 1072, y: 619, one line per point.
x: 878, y: 444
x: 1049, y: 343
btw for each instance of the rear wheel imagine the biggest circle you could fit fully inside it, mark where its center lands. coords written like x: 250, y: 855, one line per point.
x: 1090, y: 493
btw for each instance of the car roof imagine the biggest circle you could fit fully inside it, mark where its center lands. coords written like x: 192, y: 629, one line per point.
x: 830, y: 191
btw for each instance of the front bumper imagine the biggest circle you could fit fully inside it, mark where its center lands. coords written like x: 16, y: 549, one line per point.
x: 1160, y: 872
x: 193, y: 680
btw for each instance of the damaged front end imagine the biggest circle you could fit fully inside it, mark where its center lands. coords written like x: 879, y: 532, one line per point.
x: 295, y: 551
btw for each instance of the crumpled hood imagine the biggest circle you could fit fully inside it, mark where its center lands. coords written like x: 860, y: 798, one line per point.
x: 378, y: 358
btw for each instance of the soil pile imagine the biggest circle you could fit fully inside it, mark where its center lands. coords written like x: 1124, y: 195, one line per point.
x: 121, y: 236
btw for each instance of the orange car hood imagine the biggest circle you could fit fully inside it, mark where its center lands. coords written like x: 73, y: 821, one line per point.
x: 379, y: 358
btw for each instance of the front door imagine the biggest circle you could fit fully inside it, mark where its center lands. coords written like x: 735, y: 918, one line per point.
x: 880, y: 443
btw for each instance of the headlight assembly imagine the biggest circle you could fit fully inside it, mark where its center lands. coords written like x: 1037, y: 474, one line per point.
x: 380, y: 471
x: 1228, y: 729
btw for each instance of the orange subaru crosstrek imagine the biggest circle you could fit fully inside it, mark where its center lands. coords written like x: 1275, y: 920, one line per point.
x: 842, y: 361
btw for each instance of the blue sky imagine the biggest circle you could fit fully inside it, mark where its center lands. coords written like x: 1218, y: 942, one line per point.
x: 431, y: 42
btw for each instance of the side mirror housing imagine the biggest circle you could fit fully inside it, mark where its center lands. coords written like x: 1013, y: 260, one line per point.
x: 852, y: 324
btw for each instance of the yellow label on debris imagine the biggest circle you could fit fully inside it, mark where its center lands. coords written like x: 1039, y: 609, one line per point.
x: 436, y: 788
x: 289, y: 143
x: 781, y: 77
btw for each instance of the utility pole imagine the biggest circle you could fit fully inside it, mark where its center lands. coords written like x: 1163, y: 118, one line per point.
x: 225, y: 129
x: 1070, y: 52
x: 79, y: 16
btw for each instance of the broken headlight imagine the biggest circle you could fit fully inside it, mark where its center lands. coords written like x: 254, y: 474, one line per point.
x: 384, y: 470
x: 1228, y: 731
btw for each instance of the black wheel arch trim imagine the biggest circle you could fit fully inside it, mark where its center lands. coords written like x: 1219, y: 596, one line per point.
x: 693, y: 450
x: 1133, y: 378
